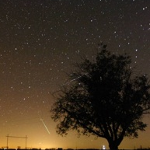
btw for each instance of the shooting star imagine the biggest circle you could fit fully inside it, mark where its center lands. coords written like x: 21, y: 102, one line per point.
x: 45, y: 126
x: 67, y: 83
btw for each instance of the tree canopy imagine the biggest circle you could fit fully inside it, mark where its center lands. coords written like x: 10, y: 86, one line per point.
x: 106, y: 99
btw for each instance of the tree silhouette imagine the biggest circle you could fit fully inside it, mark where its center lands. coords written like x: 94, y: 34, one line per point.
x: 106, y: 99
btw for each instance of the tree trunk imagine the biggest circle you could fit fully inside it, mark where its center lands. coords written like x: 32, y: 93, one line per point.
x: 113, y: 145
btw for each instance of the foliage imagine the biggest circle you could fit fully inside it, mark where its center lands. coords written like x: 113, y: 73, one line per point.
x: 106, y: 99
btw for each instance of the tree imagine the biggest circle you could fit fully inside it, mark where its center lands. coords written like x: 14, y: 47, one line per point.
x: 106, y: 99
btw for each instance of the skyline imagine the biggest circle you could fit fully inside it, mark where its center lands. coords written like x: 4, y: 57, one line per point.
x: 40, y: 41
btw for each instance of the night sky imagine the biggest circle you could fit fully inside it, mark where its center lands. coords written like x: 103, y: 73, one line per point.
x: 40, y: 40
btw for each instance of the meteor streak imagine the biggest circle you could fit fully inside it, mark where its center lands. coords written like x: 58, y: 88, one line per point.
x: 45, y: 126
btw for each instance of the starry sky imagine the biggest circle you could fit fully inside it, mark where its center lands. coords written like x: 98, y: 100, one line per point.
x: 40, y: 40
